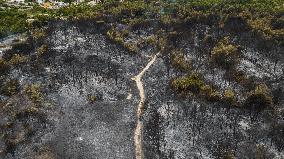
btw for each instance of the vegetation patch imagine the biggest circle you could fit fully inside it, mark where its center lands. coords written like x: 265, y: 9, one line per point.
x: 42, y: 50
x: 192, y: 83
x: 151, y: 40
x: 132, y: 47
x: 229, y: 97
x: 178, y: 61
x: 259, y: 99
x: 116, y: 36
x: 92, y: 99
x: 4, y: 67
x: 225, y: 54
x: 11, y: 87
x: 17, y: 60
x: 12, y: 21
x: 38, y: 35
x: 264, y: 29
x: 210, y: 94
x: 34, y: 93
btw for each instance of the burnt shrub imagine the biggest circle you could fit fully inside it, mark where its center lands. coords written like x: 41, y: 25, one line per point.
x: 24, y: 47
x: 262, y: 152
x: 277, y: 23
x: 277, y: 135
x: 4, y: 67
x: 236, y: 24
x: 278, y: 95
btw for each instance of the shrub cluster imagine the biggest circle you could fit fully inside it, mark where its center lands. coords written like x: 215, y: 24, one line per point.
x: 178, y: 61
x: 229, y: 97
x: 128, y: 9
x: 210, y: 94
x: 225, y: 54
x: 39, y: 35
x: 115, y: 35
x: 10, y: 87
x: 92, y: 98
x: 34, y: 93
x: 259, y: 98
x: 4, y: 67
x: 18, y: 59
x: 12, y: 21
x: 118, y: 37
x: 264, y: 29
x: 42, y: 50
x: 194, y: 84
x: 131, y: 47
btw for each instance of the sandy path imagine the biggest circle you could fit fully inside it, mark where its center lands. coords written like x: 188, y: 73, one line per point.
x: 139, y: 126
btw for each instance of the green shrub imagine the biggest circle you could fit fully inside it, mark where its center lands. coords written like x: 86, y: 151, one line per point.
x: 228, y: 155
x: 166, y: 19
x: 259, y: 98
x: 162, y: 43
x: 111, y: 33
x: 263, y: 27
x: 225, y: 54
x: 151, y: 40
x: 12, y: 20
x: 34, y: 93
x: 241, y: 78
x: 18, y: 59
x: 11, y: 87
x: 39, y: 34
x: 117, y: 36
x: 178, y: 61
x: 210, y: 93
x: 42, y: 50
x: 192, y: 83
x: 118, y: 40
x: 137, y: 23
x: 229, y: 97
x: 92, y: 98
x: 131, y: 47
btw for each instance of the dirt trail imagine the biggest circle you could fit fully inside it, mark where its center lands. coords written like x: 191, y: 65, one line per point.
x: 139, y: 126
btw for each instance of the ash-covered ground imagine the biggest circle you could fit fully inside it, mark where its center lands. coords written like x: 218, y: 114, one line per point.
x: 83, y: 62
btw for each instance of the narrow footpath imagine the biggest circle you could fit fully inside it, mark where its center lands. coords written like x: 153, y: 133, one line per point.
x: 139, y: 126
